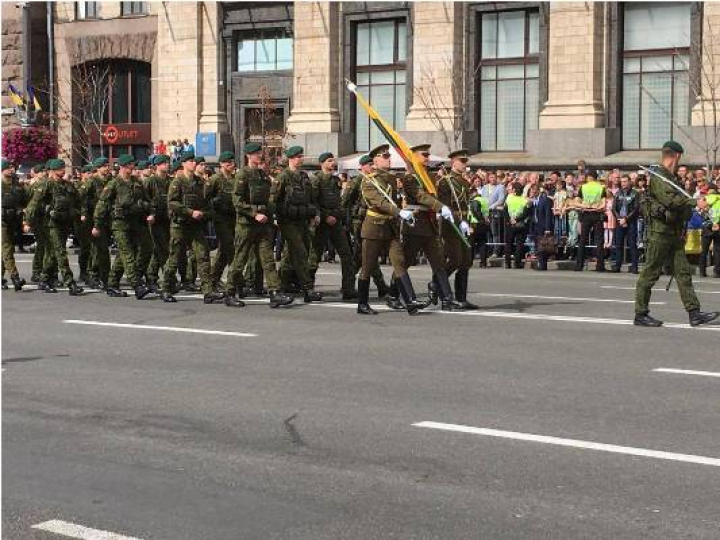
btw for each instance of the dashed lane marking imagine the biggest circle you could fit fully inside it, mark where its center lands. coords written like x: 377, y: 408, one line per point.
x: 576, y: 298
x: 687, y: 372
x: 654, y: 290
x: 161, y: 328
x: 573, y: 443
x: 73, y: 530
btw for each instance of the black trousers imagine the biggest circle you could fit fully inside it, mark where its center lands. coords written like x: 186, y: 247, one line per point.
x: 515, y: 242
x: 712, y: 238
x: 627, y: 234
x: 591, y: 226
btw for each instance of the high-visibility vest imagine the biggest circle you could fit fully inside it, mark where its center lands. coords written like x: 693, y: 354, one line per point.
x: 713, y: 201
x: 484, y: 205
x: 592, y: 192
x: 515, y: 205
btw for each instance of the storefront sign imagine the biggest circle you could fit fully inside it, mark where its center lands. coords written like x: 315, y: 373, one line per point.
x: 122, y: 134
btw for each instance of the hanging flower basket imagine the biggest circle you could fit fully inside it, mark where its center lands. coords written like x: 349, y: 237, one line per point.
x: 29, y: 145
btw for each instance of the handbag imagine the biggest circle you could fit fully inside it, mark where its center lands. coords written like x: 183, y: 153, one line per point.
x: 547, y: 245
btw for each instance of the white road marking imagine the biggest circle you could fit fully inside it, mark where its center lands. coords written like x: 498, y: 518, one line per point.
x: 577, y: 298
x: 164, y: 328
x: 73, y: 530
x: 655, y: 289
x: 586, y: 445
x: 688, y: 372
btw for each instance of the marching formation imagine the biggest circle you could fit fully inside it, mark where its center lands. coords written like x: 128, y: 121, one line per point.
x: 158, y: 215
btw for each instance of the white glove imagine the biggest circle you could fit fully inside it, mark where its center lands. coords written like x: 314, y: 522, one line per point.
x: 465, y: 228
x: 446, y: 213
x: 406, y: 215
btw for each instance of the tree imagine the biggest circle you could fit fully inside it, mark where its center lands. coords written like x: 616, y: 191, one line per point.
x: 269, y: 126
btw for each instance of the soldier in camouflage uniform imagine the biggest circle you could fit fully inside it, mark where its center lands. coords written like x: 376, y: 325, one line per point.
x: 14, y: 199
x: 83, y: 226
x: 219, y: 190
x: 39, y: 228
x: 125, y: 207
x: 60, y: 202
x: 157, y: 186
x: 99, y: 263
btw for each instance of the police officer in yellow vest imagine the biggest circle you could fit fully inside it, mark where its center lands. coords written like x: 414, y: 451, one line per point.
x: 592, y: 216
x: 710, y: 210
x: 517, y: 216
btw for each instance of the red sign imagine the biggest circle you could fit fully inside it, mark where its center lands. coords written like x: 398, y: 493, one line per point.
x: 122, y: 134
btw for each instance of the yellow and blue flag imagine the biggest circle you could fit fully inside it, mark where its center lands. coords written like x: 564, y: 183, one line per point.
x: 32, y: 97
x: 15, y: 96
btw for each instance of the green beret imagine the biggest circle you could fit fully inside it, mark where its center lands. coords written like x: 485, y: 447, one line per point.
x: 87, y: 168
x: 162, y: 158
x: 38, y: 168
x: 364, y: 160
x: 55, y: 164
x: 379, y: 150
x: 143, y: 164
x: 325, y: 156
x: 294, y: 151
x: 458, y: 153
x: 252, y: 147
x: 675, y: 147
x: 420, y: 148
x: 187, y: 156
x: 226, y: 156
x: 99, y: 162
x: 125, y: 159
x: 6, y: 164
x: 175, y: 166
x: 200, y: 159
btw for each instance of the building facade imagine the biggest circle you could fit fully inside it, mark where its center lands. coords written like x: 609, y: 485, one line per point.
x: 520, y: 84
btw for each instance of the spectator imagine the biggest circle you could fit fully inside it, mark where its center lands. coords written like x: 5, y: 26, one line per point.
x: 560, y: 225
x: 541, y: 225
x: 188, y: 146
x: 517, y: 218
x: 495, y: 195
x: 626, y: 209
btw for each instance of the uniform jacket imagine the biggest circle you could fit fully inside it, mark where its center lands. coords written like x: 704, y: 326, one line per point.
x: 252, y: 194
x: 414, y: 193
x: 123, y: 202
x: 186, y: 193
x: 380, y: 196
x: 455, y: 193
x: 327, y: 193
x: 219, y: 191
x: 58, y: 201
x: 667, y: 209
x: 157, y: 187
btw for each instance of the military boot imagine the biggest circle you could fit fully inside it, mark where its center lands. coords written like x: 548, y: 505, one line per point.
x: 278, y: 299
x: 310, y: 295
x: 382, y: 289
x: 212, y: 297
x: 698, y: 317
x: 433, y: 291
x: 446, y: 295
x: 407, y: 291
x: 363, y: 298
x: 232, y: 301
x: 393, y: 295
x: 141, y: 291
x: 167, y: 297
x: 461, y: 289
x: 18, y: 283
x: 74, y: 289
x: 4, y: 284
x: 153, y: 287
x: 644, y: 319
x: 49, y: 287
x: 115, y: 292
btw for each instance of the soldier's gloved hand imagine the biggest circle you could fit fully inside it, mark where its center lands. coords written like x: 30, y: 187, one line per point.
x: 406, y: 215
x: 465, y: 228
x: 446, y: 213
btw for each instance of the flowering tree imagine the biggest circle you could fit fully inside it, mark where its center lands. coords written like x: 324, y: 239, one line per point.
x: 29, y: 145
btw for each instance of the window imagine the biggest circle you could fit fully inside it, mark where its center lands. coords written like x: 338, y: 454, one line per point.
x: 267, y: 50
x: 133, y: 8
x: 380, y: 72
x: 509, y: 78
x: 86, y: 10
x: 656, y: 91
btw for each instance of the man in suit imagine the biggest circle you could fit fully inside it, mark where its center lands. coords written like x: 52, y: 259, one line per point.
x: 541, y: 222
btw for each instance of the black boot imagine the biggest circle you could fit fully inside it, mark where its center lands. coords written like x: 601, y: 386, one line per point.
x: 446, y: 295
x: 393, y: 295
x: 18, y: 283
x: 698, y: 317
x: 4, y: 284
x: 141, y: 291
x: 363, y: 298
x: 407, y: 291
x: 167, y: 297
x: 461, y: 289
x: 278, y: 299
x: 644, y: 319
x: 115, y: 292
x: 212, y: 297
x: 74, y: 289
x: 310, y: 295
x: 49, y: 287
x: 232, y: 301
x: 433, y: 289
x: 153, y: 287
x: 382, y: 289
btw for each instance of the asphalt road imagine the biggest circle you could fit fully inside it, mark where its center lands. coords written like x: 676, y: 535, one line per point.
x: 299, y: 423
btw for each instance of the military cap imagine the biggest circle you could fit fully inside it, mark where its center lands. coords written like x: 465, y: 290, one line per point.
x: 100, y: 161
x: 379, y: 150
x: 125, y: 159
x: 294, y: 151
x: 6, y: 164
x: 674, y: 146
x: 458, y: 153
x: 420, y: 148
x: 226, y: 156
x: 175, y: 166
x: 54, y: 164
x: 325, y: 156
x: 364, y: 160
x: 143, y: 164
x: 87, y: 168
x: 162, y: 158
x: 252, y: 147
x: 40, y: 167
x: 200, y: 159
x: 187, y: 156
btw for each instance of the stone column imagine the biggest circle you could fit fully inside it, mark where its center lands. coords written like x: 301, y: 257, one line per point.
x: 212, y: 97
x: 575, y: 67
x: 709, y: 68
x: 437, y: 70
x: 315, y: 118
